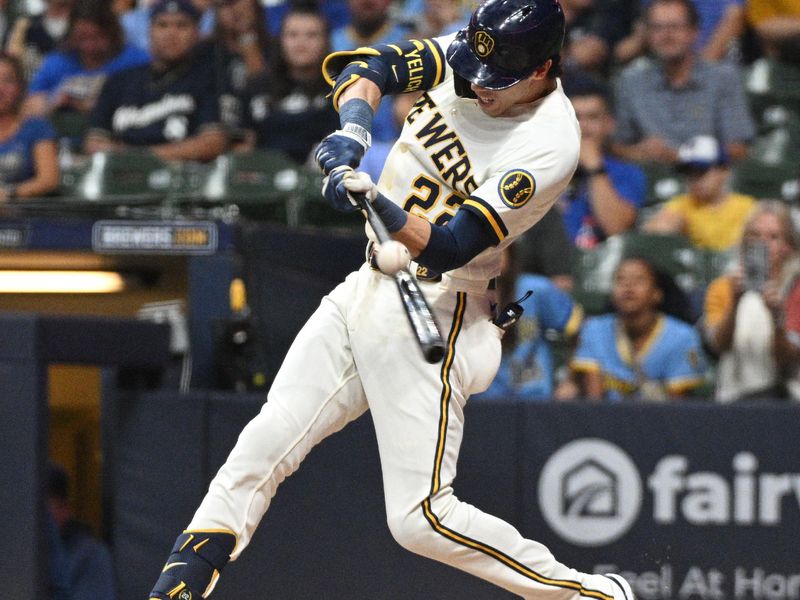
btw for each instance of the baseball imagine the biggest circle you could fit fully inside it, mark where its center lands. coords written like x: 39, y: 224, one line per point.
x: 392, y: 256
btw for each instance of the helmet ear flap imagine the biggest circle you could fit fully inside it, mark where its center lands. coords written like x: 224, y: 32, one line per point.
x: 462, y: 86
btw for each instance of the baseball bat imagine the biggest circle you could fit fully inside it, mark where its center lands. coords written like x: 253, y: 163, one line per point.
x: 414, y: 303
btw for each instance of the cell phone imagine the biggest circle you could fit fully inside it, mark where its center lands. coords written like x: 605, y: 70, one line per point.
x: 755, y: 261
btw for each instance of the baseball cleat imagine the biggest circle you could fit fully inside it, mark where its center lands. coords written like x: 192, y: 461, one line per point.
x: 622, y: 589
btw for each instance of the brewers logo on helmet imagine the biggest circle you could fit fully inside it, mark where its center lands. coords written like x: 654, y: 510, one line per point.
x: 484, y: 44
x: 506, y: 41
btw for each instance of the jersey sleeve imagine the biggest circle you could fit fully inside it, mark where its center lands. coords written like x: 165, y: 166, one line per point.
x: 519, y: 193
x: 587, y: 358
x: 101, y: 117
x: 718, y: 302
x: 556, y: 309
x: 41, y: 130
x: 685, y: 365
x: 207, y: 111
x: 47, y: 78
x: 631, y: 184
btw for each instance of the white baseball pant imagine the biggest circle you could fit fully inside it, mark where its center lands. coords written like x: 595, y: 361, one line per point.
x: 357, y: 352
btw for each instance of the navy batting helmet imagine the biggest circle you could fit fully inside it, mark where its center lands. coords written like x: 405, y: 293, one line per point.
x: 506, y: 41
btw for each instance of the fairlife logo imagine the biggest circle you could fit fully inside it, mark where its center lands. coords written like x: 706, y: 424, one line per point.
x: 590, y: 492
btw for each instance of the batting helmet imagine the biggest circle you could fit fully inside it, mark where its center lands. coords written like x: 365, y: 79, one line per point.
x: 506, y: 41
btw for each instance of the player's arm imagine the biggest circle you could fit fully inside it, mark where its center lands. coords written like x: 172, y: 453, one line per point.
x: 359, y: 79
x: 440, y: 247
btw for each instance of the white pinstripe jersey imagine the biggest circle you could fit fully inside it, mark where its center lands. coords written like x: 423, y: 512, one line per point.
x: 508, y: 170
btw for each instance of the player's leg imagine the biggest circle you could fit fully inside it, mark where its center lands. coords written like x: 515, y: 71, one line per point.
x: 418, y: 417
x: 316, y: 392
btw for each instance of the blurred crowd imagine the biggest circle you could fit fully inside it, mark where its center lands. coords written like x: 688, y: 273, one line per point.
x: 690, y: 120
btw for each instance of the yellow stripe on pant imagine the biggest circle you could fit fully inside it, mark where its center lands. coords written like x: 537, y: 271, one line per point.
x: 432, y: 518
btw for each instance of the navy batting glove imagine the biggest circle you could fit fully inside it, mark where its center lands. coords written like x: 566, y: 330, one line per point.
x: 334, y: 191
x: 341, y: 148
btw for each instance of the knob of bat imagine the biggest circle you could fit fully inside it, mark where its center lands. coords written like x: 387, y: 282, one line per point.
x: 392, y: 256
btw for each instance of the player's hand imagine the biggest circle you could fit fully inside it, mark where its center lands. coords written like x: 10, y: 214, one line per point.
x: 334, y: 191
x: 361, y: 183
x: 341, y: 148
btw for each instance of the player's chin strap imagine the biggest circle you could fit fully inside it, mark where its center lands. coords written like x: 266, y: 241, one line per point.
x: 194, y: 565
x: 463, y: 87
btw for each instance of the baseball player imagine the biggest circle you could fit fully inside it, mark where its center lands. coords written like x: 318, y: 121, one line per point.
x: 483, y: 154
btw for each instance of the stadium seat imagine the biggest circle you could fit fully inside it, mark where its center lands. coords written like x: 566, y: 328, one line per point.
x: 260, y: 181
x: 671, y: 254
x: 132, y: 176
x: 663, y: 182
x: 780, y: 181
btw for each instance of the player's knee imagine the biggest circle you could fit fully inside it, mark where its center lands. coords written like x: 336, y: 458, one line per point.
x: 413, y: 532
x: 194, y: 565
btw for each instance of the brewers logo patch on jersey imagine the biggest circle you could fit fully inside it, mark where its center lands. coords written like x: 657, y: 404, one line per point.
x: 516, y: 188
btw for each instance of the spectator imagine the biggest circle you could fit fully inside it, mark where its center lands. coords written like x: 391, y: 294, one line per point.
x: 722, y: 22
x: 777, y: 26
x: 720, y: 25
x: 666, y: 101
x: 169, y: 105
x: 637, y: 352
x: 371, y: 24
x: 239, y: 50
x: 292, y: 114
x: 28, y: 154
x: 95, y: 48
x: 752, y: 315
x: 440, y: 17
x: 527, y: 367
x: 605, y: 194
x: 593, y: 28
x: 136, y: 22
x: 709, y: 215
x: 86, y: 560
x: 35, y: 36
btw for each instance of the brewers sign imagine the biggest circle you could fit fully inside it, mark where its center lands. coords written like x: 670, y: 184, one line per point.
x: 162, y: 237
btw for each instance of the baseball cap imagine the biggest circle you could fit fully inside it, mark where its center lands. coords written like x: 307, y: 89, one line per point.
x: 701, y: 153
x: 172, y: 7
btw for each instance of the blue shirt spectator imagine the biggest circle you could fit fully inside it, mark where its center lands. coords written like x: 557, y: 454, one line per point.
x: 527, y: 367
x: 671, y: 358
x: 580, y: 219
x: 16, y: 152
x: 70, y: 79
x: 605, y: 195
x: 28, y: 151
x: 63, y: 71
x: 371, y: 25
x: 638, y: 352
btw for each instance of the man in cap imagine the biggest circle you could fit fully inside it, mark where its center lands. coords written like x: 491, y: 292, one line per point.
x: 169, y: 105
x: 709, y: 214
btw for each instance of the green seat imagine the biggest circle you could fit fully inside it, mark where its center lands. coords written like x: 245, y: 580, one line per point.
x: 131, y: 176
x: 663, y: 182
x: 69, y: 124
x: 672, y: 254
x: 261, y: 183
x: 779, y: 181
